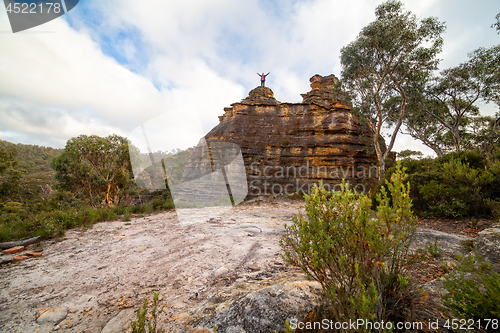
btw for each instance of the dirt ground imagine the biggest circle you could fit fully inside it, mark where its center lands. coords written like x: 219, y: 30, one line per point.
x: 103, y: 274
x: 97, y: 278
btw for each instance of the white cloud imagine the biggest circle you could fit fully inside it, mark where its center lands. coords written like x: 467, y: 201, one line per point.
x: 199, y: 53
x: 64, y: 74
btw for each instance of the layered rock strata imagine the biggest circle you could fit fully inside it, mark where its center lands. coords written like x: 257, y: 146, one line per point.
x: 288, y: 147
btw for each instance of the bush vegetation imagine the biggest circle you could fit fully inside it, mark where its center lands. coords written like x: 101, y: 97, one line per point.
x: 358, y: 256
x: 456, y: 185
x: 33, y: 203
x: 18, y: 223
x: 474, y: 292
x: 139, y: 326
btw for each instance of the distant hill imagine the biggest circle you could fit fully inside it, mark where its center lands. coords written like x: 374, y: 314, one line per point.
x: 34, y: 164
x: 32, y: 158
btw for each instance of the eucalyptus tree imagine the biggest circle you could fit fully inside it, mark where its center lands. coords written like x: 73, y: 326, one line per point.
x: 95, y: 166
x: 10, y: 182
x: 451, y: 98
x: 7, y: 157
x: 496, y: 25
x: 383, y: 62
x: 420, y: 126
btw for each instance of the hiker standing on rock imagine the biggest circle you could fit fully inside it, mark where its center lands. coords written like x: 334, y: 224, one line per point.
x: 263, y: 78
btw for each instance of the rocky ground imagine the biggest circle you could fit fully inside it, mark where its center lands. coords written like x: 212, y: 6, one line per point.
x: 222, y: 268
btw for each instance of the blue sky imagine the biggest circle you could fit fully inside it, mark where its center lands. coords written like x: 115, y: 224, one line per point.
x: 108, y: 66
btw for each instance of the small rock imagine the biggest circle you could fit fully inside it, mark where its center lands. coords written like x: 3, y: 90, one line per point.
x: 221, y: 271
x: 177, y: 284
x: 253, y: 230
x: 181, y: 317
x: 254, y: 267
x: 51, y: 315
x: 193, y: 295
x: 34, y: 254
x: 119, y: 322
x: 15, y: 249
x: 487, y: 244
x: 17, y: 259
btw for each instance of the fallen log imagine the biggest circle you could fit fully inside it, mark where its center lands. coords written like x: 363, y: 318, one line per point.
x: 25, y: 242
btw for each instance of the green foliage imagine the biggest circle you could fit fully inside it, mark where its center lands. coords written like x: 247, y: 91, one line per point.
x: 358, y: 258
x: 474, y: 289
x: 470, y: 158
x: 485, y: 67
x: 449, y: 99
x: 13, y: 207
x: 481, y: 134
x: 104, y: 169
x: 20, y: 223
x: 382, y: 64
x: 288, y: 329
x: 468, y: 245
x: 408, y: 153
x: 9, y: 183
x: 421, y: 126
x: 496, y: 25
x: 433, y: 249
x: 147, y: 323
x: 7, y: 157
x: 97, y: 167
x: 31, y: 158
x: 445, y: 107
x: 457, y: 185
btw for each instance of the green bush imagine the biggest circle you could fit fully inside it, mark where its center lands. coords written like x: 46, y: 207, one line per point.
x: 474, y: 291
x: 358, y: 257
x: 457, y: 185
x: 157, y: 203
x: 45, y: 221
x: 139, y: 326
x: 13, y: 208
x: 433, y: 249
x: 473, y: 159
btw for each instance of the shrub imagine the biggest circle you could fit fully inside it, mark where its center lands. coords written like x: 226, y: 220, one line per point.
x: 457, y: 185
x: 473, y: 159
x: 358, y: 257
x: 139, y: 326
x: 433, y: 249
x: 168, y: 205
x: 17, y: 222
x: 13, y: 208
x: 474, y: 291
x: 157, y: 203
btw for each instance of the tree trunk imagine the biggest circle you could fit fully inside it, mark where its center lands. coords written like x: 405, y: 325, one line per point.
x: 438, y: 151
x: 381, y: 172
x: 381, y: 167
x: 107, y: 194
x: 25, y: 242
x: 456, y: 139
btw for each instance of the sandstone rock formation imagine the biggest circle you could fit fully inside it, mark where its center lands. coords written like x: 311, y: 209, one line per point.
x: 487, y: 244
x: 263, y: 306
x: 287, y: 147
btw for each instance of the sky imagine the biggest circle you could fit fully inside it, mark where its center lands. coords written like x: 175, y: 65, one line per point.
x: 170, y: 67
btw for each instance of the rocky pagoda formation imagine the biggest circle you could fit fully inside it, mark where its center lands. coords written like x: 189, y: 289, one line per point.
x: 287, y: 147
